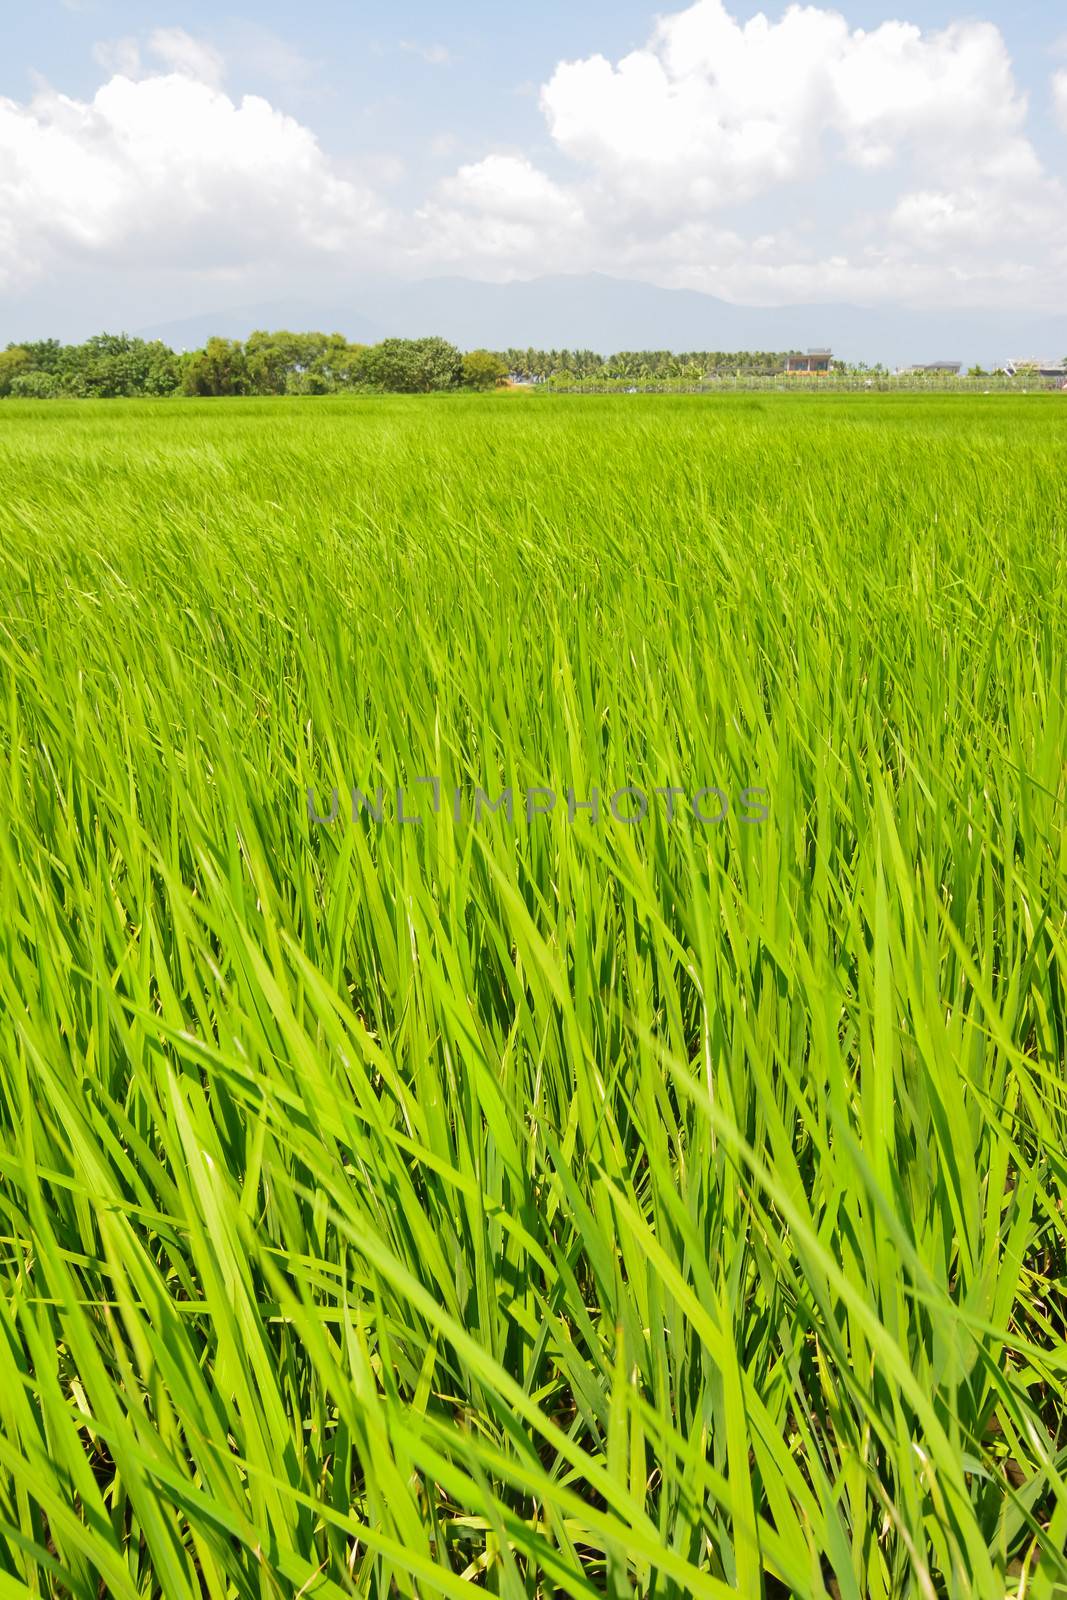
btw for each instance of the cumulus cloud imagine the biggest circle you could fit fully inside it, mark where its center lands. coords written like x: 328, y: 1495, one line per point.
x: 764, y: 160
x: 969, y: 218
x: 512, y: 188
x: 713, y: 110
x: 497, y: 213
x: 168, y: 170
x: 672, y: 148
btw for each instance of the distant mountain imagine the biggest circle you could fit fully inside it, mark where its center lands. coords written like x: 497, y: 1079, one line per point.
x: 598, y: 312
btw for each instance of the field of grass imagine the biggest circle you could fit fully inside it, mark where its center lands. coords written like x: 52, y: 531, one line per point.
x: 533, y: 1206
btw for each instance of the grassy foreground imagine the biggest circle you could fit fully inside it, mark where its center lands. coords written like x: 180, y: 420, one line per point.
x: 533, y: 1206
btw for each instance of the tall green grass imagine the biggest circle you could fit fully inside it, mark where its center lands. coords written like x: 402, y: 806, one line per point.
x: 545, y: 1209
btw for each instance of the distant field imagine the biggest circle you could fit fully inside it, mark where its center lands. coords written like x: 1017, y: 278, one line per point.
x: 534, y: 1205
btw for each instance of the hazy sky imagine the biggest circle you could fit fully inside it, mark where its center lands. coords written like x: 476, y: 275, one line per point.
x: 162, y: 160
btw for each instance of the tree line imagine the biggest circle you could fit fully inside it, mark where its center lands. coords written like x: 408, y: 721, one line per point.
x: 540, y: 366
x: 112, y: 366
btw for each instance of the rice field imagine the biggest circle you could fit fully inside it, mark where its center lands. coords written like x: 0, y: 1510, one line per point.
x: 534, y: 1199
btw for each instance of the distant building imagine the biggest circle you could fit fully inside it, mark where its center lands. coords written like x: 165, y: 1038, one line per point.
x: 1033, y: 368
x: 949, y: 369
x: 813, y: 361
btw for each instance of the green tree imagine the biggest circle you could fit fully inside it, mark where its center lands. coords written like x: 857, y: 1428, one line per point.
x: 275, y: 360
x: 112, y: 365
x: 45, y: 354
x: 13, y: 362
x: 309, y: 381
x: 344, y: 364
x: 221, y: 368
x: 269, y: 361
x: 414, y: 366
x: 302, y: 363
x: 33, y: 385
x: 162, y: 369
x: 483, y: 369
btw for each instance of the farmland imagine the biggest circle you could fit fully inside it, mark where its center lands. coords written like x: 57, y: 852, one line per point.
x: 544, y: 1204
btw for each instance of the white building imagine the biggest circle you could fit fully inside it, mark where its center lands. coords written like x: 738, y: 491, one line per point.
x: 1033, y: 368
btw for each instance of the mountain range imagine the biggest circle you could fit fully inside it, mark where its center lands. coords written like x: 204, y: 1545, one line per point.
x: 598, y: 312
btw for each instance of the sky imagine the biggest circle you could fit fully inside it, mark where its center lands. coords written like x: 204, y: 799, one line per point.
x: 164, y: 160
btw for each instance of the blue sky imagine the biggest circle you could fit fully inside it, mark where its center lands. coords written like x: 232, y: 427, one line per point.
x: 174, y: 157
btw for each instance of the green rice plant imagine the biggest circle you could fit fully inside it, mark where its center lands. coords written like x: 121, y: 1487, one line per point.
x: 527, y: 1205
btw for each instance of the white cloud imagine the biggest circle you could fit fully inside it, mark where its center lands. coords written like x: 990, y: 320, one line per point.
x: 771, y: 160
x: 180, y: 52
x: 1059, y: 91
x: 121, y: 56
x: 677, y: 147
x: 969, y: 218
x: 173, y: 48
x: 713, y: 111
x: 168, y: 171
x: 511, y: 187
x: 499, y: 213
